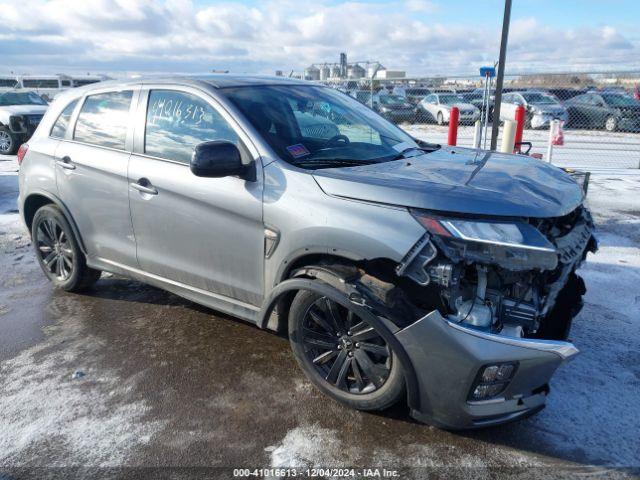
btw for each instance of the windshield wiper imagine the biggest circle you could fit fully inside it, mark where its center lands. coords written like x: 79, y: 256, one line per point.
x: 334, y: 161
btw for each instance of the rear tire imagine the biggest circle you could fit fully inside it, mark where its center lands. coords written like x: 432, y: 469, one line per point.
x: 9, y: 143
x: 440, y: 118
x: 58, y: 252
x: 356, y: 367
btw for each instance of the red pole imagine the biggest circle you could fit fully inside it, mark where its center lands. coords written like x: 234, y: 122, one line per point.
x: 520, y: 115
x: 454, y: 118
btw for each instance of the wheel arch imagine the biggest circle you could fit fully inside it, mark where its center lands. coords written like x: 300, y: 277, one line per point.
x: 318, y: 261
x: 38, y: 199
x: 291, y: 286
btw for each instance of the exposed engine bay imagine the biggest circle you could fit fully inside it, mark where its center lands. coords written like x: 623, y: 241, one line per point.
x: 527, y: 288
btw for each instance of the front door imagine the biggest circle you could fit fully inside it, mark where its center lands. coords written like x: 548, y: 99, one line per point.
x: 205, y: 233
x: 91, y: 173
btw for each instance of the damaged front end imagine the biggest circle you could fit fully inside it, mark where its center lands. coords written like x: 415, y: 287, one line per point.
x: 501, y: 295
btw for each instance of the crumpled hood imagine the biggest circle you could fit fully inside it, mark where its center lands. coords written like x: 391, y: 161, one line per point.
x: 24, y: 109
x: 460, y: 180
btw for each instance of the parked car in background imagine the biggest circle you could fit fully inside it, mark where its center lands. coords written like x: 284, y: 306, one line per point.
x: 606, y: 110
x: 564, y: 94
x: 20, y: 115
x: 540, y: 108
x: 437, y: 107
x: 477, y: 100
x: 364, y: 97
x: 8, y: 82
x: 47, y: 86
x: 82, y: 80
x: 413, y: 94
x: 395, y: 108
x: 401, y: 270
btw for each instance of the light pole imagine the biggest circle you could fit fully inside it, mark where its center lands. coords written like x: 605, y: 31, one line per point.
x: 500, y: 77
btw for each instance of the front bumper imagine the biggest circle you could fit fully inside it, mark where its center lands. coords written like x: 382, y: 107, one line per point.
x: 447, y: 357
x: 629, y: 124
x: 23, y: 126
x: 540, y: 120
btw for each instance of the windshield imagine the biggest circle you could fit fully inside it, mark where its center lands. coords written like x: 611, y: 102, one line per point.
x: 539, y: 98
x: 21, y: 98
x: 450, y: 99
x: 620, y: 100
x: 316, y: 127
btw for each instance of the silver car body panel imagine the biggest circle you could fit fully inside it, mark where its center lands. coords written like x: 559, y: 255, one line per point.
x: 229, y: 243
x: 449, y: 356
x: 198, y: 231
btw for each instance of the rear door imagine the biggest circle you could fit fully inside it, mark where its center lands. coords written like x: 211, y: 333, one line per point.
x: 204, y: 233
x: 91, y: 173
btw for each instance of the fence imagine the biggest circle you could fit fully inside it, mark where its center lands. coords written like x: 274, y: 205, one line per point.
x: 600, y: 112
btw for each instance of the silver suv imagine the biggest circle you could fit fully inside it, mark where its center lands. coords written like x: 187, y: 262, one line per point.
x: 398, y: 268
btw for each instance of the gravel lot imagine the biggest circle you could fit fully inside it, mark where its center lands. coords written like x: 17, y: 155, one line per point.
x: 129, y: 376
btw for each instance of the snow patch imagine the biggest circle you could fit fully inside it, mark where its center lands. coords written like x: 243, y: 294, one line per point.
x: 91, y: 418
x: 311, y: 446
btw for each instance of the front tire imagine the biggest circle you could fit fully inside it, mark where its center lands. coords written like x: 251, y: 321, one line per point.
x: 440, y: 118
x: 344, y: 357
x: 9, y: 143
x: 58, y: 252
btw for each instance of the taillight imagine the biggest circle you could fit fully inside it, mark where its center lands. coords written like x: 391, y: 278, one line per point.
x: 22, y: 151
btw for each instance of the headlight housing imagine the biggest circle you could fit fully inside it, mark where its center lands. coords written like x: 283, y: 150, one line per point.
x: 512, y: 243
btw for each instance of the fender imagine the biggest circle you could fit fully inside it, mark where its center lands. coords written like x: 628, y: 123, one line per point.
x: 337, y: 296
x: 60, y: 204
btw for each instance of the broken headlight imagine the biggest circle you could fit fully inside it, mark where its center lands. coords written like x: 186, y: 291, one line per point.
x: 513, y: 244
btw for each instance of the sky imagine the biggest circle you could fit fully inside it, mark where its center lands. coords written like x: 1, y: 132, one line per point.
x: 423, y: 37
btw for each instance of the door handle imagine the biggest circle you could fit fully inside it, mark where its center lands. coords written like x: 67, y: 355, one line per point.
x: 65, y: 162
x: 144, y: 186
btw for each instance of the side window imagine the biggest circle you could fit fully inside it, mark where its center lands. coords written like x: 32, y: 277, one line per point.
x: 60, y: 127
x: 103, y: 119
x: 177, y: 122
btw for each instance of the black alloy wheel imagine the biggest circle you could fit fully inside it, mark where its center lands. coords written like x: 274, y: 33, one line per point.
x: 342, y: 354
x: 52, y: 244
x: 58, y: 252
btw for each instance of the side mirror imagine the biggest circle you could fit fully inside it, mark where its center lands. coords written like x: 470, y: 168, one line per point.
x: 217, y: 159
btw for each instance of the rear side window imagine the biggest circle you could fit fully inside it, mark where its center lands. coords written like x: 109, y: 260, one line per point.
x: 103, y: 119
x: 178, y: 121
x: 60, y: 127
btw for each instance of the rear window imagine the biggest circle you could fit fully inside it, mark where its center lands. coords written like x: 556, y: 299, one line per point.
x: 103, y: 119
x: 60, y: 127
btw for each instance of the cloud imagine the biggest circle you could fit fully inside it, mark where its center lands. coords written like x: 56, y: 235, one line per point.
x: 421, y: 6
x: 179, y: 35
